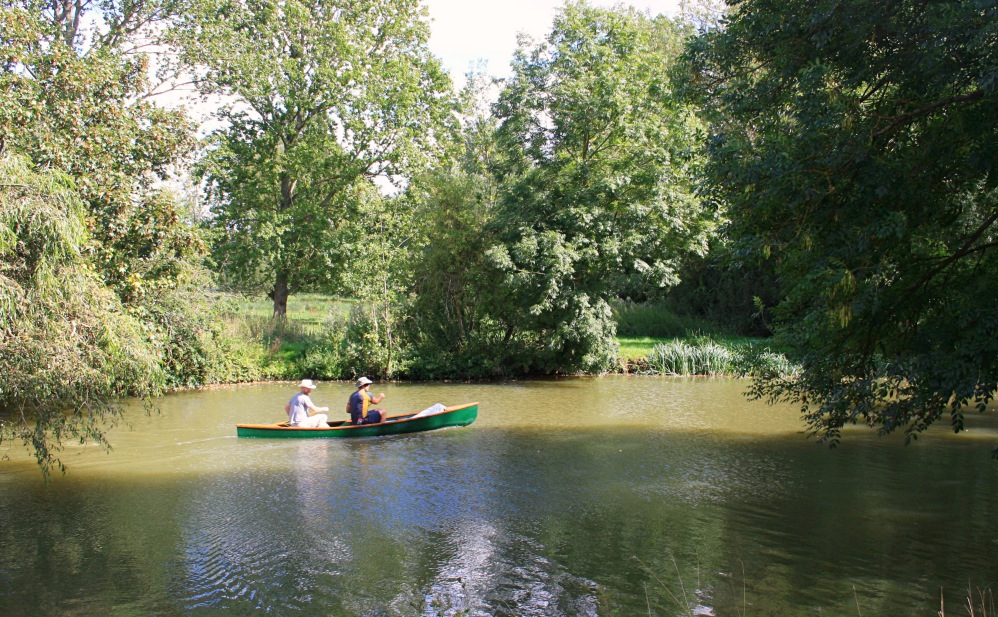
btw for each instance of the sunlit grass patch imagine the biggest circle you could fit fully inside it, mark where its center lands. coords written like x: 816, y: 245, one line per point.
x: 637, y: 347
x: 306, y: 312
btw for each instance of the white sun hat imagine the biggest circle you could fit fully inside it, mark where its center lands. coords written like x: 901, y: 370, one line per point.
x: 363, y: 381
x: 307, y: 383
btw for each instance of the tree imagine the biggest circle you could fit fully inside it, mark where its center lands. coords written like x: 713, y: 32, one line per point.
x: 854, y: 146
x: 324, y: 98
x: 98, y: 267
x: 75, y: 80
x: 379, y: 277
x: 68, y: 349
x: 448, y: 325
x: 598, y: 165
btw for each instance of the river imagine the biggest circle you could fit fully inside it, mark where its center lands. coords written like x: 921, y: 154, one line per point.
x: 609, y: 496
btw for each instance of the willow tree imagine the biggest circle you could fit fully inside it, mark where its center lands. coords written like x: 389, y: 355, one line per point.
x: 321, y: 98
x: 854, y: 143
x: 68, y: 349
x: 597, y: 183
x: 98, y: 266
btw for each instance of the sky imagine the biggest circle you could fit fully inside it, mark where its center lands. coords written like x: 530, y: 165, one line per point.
x: 466, y: 31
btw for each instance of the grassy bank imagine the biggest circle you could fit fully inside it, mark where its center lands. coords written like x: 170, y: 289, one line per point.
x: 654, y: 340
x: 312, y: 342
x: 284, y: 349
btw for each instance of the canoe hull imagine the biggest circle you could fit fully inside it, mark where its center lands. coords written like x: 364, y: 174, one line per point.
x: 459, y: 415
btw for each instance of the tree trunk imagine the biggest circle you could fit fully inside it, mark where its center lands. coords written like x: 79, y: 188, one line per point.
x: 280, y: 295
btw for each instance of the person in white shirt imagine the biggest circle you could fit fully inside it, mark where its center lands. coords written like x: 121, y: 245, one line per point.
x: 302, y: 412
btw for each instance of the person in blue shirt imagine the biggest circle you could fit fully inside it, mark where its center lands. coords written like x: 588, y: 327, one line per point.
x: 359, y: 405
x: 302, y: 412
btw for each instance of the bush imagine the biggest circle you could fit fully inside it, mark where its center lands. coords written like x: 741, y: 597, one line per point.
x: 763, y: 362
x: 68, y: 348
x: 195, y: 344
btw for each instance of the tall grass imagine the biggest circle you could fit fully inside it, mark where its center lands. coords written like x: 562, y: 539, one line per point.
x: 310, y: 312
x: 705, y: 355
x: 271, y: 330
x: 653, y: 320
x: 308, y: 343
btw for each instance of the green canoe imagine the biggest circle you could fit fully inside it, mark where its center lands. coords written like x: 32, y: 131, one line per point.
x: 460, y: 415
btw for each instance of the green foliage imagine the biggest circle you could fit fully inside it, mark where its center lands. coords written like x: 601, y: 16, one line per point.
x: 68, y: 348
x: 326, y: 98
x: 596, y: 173
x: 763, y: 363
x: 193, y: 346
x: 653, y: 320
x: 853, y: 143
x: 680, y: 357
x: 706, y: 355
x: 380, y: 276
x: 448, y: 320
x: 725, y: 288
x: 311, y: 342
x: 74, y: 100
x: 98, y: 263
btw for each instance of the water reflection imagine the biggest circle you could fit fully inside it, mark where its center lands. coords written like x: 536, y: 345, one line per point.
x: 678, y: 500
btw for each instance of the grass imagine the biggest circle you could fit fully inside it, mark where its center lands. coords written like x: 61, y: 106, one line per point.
x: 633, y: 348
x: 653, y: 340
x: 286, y: 343
x: 308, y: 312
x: 652, y: 320
x: 700, y: 354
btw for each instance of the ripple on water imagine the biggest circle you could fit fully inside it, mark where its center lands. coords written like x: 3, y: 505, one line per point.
x: 491, y: 572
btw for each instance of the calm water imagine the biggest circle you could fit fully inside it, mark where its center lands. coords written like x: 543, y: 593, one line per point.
x: 616, y: 496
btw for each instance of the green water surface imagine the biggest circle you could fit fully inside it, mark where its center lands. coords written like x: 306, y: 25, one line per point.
x: 612, y: 496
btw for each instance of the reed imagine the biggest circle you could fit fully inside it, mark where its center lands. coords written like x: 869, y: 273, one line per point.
x: 697, y: 357
x: 705, y: 355
x: 979, y: 603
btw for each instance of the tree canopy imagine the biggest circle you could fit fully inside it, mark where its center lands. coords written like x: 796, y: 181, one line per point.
x: 597, y: 180
x: 101, y: 282
x: 321, y: 98
x: 854, y: 144
x: 75, y: 82
x: 67, y: 347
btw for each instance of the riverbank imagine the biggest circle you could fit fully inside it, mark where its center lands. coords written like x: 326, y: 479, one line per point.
x: 311, y: 342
